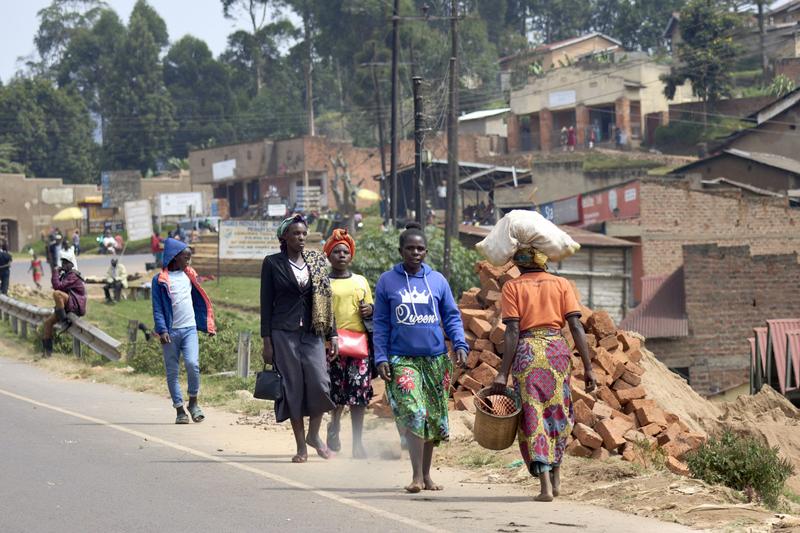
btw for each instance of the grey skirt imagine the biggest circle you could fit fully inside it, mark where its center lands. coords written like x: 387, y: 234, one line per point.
x: 300, y: 358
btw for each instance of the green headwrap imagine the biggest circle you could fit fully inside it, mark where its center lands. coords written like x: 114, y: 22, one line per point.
x: 288, y: 222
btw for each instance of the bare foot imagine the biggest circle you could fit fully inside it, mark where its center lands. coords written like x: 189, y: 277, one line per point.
x: 322, y: 449
x: 543, y: 497
x: 555, y: 479
x: 359, y: 452
x: 415, y: 487
x: 430, y: 485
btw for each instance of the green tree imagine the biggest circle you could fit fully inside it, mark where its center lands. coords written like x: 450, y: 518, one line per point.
x: 58, y: 23
x: 139, y: 124
x: 8, y: 165
x: 200, y: 88
x: 47, y: 130
x: 707, y: 53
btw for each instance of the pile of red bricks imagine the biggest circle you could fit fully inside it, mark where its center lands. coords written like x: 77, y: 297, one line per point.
x: 616, y: 419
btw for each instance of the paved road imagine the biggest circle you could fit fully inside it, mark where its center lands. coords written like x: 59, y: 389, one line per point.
x: 78, y: 456
x: 89, y: 265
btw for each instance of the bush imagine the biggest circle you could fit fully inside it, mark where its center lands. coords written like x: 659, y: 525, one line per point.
x: 378, y: 252
x: 742, y: 463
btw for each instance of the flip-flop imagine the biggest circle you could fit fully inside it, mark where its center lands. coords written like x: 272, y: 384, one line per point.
x: 300, y: 458
x: 323, y: 451
x: 197, y: 414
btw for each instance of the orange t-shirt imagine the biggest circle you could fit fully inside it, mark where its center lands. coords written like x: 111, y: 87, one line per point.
x: 539, y: 300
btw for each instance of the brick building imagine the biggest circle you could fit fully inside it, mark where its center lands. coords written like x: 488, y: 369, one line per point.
x: 698, y: 318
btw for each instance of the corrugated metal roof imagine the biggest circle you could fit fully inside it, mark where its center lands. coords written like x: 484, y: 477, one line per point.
x: 761, y: 346
x: 777, y: 347
x: 771, y: 160
x: 485, y: 113
x: 581, y: 236
x: 663, y: 315
x: 793, y: 354
x: 650, y: 285
x: 753, y: 354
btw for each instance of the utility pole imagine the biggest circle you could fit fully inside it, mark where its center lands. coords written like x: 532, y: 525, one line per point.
x: 394, y: 133
x: 452, y: 211
x: 762, y: 36
x: 419, y: 175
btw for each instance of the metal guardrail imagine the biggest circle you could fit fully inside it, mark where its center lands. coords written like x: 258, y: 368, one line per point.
x: 24, y: 315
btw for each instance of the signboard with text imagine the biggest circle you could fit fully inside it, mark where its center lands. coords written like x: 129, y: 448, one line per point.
x: 138, y: 220
x: 248, y: 239
x: 611, y: 204
x: 178, y: 204
x: 223, y: 169
x: 566, y: 211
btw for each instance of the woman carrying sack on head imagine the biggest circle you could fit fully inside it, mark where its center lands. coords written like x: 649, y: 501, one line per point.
x: 296, y: 319
x: 414, y: 308
x: 535, y: 308
x: 350, y: 372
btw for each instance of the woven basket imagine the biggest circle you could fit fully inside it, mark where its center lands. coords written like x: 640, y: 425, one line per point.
x: 496, y: 430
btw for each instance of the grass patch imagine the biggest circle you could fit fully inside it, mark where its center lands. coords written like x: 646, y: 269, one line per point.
x: 744, y: 464
x: 603, y: 162
x: 479, y: 458
x: 244, y: 292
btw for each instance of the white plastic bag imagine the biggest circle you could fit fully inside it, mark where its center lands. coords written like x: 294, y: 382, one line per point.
x: 520, y: 229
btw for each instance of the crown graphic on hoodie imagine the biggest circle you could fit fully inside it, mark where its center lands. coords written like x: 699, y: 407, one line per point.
x: 414, y: 297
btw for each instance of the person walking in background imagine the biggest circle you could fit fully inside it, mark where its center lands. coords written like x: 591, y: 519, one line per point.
x: 5, y: 267
x: 350, y: 375
x: 36, y: 270
x: 157, y: 248
x: 69, y: 296
x: 572, y: 139
x: 116, y: 280
x: 414, y: 308
x: 296, y: 319
x: 181, y: 308
x: 535, y: 308
x: 562, y: 139
x: 76, y: 242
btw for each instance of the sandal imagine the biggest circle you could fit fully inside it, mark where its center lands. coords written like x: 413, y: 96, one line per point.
x: 182, y: 418
x: 197, y: 414
x: 300, y: 458
x: 323, y: 451
x: 333, y: 439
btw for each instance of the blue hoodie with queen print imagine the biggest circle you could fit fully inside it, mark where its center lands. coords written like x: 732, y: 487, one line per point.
x: 410, y: 312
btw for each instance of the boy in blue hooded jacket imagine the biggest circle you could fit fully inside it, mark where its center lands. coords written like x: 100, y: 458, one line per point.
x: 181, y: 308
x: 414, y: 308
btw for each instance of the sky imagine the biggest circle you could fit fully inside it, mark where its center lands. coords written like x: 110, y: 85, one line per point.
x: 201, y: 18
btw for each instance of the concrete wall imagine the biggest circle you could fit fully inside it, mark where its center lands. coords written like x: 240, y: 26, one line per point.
x: 556, y: 180
x: 152, y: 187
x: 252, y: 160
x: 488, y: 126
x: 728, y: 293
x: 562, y: 56
x: 31, y: 203
x: 674, y: 215
x: 744, y: 171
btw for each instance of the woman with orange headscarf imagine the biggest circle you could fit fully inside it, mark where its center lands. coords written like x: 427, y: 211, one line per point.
x: 350, y: 373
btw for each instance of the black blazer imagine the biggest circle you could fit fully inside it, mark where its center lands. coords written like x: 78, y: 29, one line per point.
x: 284, y: 304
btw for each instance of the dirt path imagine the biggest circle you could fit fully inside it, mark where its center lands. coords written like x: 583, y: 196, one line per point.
x: 487, y: 490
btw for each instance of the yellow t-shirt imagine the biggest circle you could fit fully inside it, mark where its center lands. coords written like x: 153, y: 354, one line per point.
x: 347, y: 294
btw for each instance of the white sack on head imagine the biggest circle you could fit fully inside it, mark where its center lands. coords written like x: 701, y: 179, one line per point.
x: 519, y: 229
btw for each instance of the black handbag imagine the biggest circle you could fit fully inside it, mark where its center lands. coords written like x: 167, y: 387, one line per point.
x: 269, y: 385
x: 369, y: 326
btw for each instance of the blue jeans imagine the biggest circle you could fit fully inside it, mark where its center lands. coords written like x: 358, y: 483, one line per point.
x: 184, y: 341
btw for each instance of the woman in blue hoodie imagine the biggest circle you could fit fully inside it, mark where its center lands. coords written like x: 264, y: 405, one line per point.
x: 412, y: 306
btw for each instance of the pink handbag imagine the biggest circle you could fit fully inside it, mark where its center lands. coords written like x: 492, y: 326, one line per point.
x: 353, y: 344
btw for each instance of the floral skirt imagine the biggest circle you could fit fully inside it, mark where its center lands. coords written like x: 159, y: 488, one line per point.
x: 351, y: 383
x: 541, y: 373
x: 418, y: 395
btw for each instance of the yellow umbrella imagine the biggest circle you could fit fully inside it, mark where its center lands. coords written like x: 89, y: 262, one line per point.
x: 70, y: 213
x: 368, y: 195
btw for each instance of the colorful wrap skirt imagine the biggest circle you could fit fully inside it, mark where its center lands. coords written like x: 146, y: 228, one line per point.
x: 351, y: 382
x: 541, y: 373
x: 418, y: 395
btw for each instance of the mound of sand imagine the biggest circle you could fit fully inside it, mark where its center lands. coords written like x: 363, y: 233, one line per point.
x: 676, y: 396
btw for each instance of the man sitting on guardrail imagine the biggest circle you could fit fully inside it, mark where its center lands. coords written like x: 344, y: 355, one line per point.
x: 181, y: 308
x: 69, y: 295
x: 116, y: 280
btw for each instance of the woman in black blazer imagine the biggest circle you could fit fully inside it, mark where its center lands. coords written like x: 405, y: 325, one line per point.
x: 296, y: 319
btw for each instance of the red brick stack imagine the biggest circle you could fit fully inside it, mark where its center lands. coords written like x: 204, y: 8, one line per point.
x: 611, y: 420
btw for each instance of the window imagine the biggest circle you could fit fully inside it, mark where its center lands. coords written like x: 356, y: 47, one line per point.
x: 202, y: 161
x: 682, y: 371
